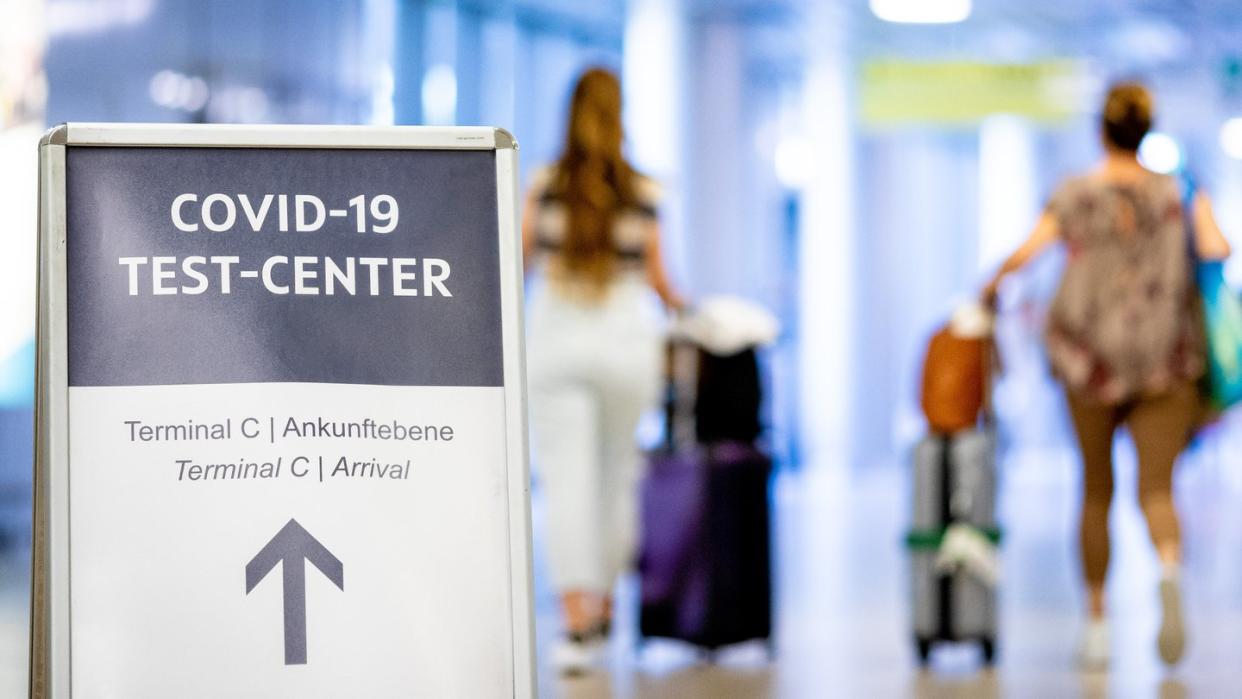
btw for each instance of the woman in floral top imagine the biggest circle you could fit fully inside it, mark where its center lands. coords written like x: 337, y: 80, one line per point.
x: 1125, y: 337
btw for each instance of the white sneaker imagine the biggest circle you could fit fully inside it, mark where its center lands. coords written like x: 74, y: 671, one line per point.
x: 1093, y: 653
x: 1172, y: 638
x: 576, y: 656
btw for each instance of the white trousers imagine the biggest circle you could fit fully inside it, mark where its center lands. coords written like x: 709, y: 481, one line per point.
x: 594, y: 369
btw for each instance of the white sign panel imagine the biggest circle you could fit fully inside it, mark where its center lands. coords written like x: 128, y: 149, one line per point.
x: 281, y: 425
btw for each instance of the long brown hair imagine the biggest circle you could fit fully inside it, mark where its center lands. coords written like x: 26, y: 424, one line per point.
x: 593, y: 179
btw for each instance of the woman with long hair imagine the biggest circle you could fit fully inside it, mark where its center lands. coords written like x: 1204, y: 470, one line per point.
x: 1125, y: 337
x: 594, y: 350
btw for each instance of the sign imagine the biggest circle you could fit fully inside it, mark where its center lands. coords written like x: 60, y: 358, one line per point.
x: 281, y: 429
x: 961, y: 93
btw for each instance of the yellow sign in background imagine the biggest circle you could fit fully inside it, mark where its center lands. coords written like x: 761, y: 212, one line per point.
x: 960, y: 93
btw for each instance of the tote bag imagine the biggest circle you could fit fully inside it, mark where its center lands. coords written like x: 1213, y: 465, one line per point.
x: 1222, y: 311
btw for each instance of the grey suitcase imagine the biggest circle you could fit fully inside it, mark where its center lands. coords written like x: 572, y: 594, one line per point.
x: 954, y: 482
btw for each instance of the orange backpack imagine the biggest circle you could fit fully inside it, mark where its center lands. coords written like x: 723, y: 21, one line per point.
x: 955, y: 381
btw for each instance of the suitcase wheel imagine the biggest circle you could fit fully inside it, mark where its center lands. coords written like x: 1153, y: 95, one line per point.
x: 923, y: 645
x: 988, y: 644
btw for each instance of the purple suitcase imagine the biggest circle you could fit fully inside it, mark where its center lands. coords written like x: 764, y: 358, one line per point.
x: 705, y: 554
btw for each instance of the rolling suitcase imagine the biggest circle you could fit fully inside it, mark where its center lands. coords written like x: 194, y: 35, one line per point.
x: 705, y: 563
x: 954, y: 485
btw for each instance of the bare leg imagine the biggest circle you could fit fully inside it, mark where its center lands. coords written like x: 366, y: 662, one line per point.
x: 1161, y: 427
x: 1095, y: 425
x: 1095, y: 601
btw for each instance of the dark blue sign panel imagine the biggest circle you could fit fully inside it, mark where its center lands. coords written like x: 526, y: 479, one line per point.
x: 202, y: 266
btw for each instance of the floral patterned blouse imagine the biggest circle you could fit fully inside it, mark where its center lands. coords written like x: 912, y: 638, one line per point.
x: 1126, y: 320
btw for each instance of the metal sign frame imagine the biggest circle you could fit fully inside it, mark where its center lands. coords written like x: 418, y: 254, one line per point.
x: 51, y: 624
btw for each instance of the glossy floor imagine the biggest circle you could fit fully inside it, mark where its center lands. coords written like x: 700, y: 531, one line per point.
x: 842, y: 600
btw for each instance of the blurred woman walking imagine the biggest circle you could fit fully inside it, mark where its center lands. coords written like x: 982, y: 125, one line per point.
x: 1125, y: 336
x: 594, y: 348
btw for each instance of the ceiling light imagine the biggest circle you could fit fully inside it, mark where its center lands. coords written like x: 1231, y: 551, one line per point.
x: 1160, y: 152
x: 921, y: 11
x: 1231, y: 137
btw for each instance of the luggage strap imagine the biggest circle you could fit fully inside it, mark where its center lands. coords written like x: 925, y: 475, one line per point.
x: 930, y: 539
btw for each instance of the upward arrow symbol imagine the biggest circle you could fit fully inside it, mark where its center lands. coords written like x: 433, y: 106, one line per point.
x: 290, y: 547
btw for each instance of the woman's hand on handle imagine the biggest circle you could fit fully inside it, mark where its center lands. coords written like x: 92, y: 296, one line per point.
x: 990, y: 293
